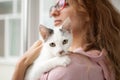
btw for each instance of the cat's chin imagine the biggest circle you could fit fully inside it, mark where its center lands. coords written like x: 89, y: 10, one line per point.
x: 63, y: 54
x: 59, y: 55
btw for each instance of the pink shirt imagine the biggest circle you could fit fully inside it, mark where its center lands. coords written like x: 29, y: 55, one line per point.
x: 90, y: 65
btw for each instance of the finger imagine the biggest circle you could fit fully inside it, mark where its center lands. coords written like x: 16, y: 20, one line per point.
x: 34, y: 48
x: 34, y: 54
x: 37, y: 49
x: 36, y: 44
x: 39, y: 42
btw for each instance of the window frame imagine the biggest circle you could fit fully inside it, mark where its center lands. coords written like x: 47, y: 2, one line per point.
x: 31, y: 13
x: 7, y: 58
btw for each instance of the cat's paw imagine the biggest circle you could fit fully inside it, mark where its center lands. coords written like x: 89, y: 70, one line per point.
x: 64, y: 61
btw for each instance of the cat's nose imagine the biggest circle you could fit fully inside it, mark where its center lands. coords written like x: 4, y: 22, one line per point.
x: 61, y: 52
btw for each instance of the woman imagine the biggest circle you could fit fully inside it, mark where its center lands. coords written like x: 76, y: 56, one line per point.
x: 96, y: 42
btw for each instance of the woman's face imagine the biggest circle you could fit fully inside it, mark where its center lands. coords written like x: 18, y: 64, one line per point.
x: 65, y: 10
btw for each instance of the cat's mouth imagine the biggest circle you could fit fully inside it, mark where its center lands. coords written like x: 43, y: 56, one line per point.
x: 62, y: 53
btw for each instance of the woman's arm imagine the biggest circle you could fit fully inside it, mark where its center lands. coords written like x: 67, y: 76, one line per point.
x: 26, y: 60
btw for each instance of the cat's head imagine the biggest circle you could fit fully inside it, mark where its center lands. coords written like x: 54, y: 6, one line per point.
x: 57, y: 40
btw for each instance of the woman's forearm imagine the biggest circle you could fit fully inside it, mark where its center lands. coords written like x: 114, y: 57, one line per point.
x: 20, y: 70
x: 26, y: 60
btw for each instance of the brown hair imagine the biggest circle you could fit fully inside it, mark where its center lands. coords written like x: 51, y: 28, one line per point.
x: 104, y: 29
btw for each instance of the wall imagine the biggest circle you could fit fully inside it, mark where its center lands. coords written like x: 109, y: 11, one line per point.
x: 6, y: 71
x: 116, y: 4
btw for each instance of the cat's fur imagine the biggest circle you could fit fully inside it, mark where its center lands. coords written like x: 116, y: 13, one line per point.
x: 54, y: 51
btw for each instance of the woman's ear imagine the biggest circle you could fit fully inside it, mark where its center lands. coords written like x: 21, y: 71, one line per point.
x: 66, y: 25
x: 45, y: 32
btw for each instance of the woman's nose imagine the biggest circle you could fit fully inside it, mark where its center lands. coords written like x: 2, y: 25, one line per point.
x: 54, y: 12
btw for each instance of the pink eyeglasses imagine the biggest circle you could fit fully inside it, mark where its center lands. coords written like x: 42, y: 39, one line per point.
x: 61, y: 4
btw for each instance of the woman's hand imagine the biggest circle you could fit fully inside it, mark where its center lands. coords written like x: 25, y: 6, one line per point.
x: 32, y: 53
x: 26, y: 60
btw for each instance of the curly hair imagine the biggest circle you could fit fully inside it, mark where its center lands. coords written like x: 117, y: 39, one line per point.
x: 104, y: 29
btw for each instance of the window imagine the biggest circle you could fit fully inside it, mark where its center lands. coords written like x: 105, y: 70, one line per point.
x: 44, y: 12
x: 19, y: 25
x: 11, y: 29
x: 19, y: 20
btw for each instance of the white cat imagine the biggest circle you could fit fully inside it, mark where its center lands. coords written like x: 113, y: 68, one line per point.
x: 54, y: 51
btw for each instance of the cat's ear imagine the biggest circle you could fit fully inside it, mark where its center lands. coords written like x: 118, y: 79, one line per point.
x: 66, y: 25
x: 45, y: 32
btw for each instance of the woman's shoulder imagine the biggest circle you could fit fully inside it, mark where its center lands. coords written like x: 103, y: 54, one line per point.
x: 79, y: 69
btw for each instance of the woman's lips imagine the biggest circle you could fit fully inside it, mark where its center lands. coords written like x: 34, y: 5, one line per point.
x: 57, y: 22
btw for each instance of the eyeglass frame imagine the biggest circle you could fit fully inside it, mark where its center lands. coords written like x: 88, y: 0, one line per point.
x: 58, y: 8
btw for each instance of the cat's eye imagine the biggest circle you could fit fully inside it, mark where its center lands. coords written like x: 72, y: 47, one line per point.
x: 52, y: 44
x: 65, y: 42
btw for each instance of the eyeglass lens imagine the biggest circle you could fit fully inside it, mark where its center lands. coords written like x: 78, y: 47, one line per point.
x: 61, y: 4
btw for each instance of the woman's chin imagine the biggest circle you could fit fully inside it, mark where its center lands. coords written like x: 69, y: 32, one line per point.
x: 57, y: 24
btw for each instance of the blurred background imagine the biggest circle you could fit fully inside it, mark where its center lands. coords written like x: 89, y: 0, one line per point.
x: 19, y: 23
